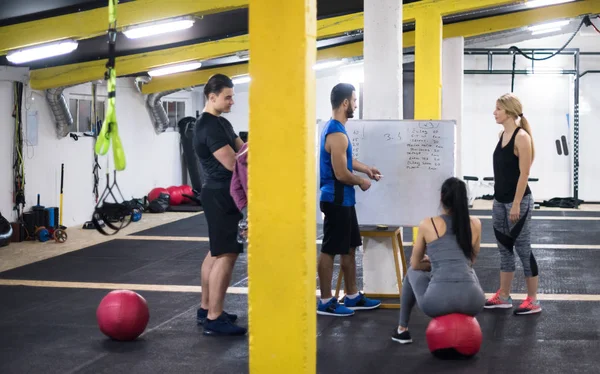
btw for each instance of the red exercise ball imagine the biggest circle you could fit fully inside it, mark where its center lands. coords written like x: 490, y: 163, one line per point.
x: 176, y: 197
x: 454, y: 336
x: 155, y: 193
x: 122, y: 315
x: 186, y: 190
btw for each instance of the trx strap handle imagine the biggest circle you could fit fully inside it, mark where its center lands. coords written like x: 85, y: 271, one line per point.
x: 110, y: 130
x: 111, y: 212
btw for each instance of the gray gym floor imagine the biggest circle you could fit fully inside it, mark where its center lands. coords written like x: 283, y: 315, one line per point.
x: 49, y: 328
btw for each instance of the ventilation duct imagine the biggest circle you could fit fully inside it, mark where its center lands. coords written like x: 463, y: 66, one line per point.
x: 158, y: 115
x: 60, y: 109
x: 140, y: 81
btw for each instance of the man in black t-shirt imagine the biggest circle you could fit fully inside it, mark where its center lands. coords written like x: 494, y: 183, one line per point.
x: 216, y: 144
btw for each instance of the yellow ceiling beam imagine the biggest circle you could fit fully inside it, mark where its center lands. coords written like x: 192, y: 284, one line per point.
x: 521, y: 19
x: 94, y: 22
x: 88, y: 71
x: 355, y: 21
x: 448, y: 7
x: 199, y: 77
x: 183, y: 80
x: 339, y: 25
x: 73, y: 74
x: 465, y: 29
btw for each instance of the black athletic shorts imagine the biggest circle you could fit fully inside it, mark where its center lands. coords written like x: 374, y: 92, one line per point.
x: 340, y: 229
x: 223, y: 217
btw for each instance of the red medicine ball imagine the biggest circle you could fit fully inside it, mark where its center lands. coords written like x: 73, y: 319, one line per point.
x: 454, y: 336
x: 122, y: 315
x: 155, y: 193
x: 186, y: 190
x: 176, y: 196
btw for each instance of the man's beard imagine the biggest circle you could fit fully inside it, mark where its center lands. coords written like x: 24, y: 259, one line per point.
x: 350, y: 113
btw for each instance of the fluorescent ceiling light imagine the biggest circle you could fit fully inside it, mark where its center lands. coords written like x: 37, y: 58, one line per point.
x: 160, y: 27
x: 241, y: 79
x: 42, y: 51
x: 172, y: 69
x: 538, y: 3
x: 328, y: 64
x: 549, y: 25
x: 546, y: 31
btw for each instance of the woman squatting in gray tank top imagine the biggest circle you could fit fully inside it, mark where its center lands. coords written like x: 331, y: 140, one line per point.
x: 443, y: 281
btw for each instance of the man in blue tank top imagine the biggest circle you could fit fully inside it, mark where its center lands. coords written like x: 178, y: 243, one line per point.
x: 340, y: 224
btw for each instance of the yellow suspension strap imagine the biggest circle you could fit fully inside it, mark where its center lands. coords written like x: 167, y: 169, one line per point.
x: 110, y: 131
x: 114, y: 215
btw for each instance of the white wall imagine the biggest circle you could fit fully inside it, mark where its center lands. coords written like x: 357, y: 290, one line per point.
x: 547, y: 100
x: 152, y: 160
x: 6, y: 149
x: 546, y: 105
x: 589, y: 133
x: 326, y: 79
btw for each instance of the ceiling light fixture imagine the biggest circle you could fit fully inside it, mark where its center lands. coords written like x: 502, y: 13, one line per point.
x: 159, y: 27
x: 172, y: 69
x: 240, y: 79
x: 539, y: 3
x: 546, y: 31
x: 545, y: 28
x: 42, y: 51
x: 328, y: 64
x: 549, y: 25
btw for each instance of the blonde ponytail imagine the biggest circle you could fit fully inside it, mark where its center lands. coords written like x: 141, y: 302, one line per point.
x: 525, y: 125
x: 511, y: 104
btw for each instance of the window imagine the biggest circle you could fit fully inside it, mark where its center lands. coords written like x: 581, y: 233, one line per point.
x: 175, y: 111
x: 81, y: 111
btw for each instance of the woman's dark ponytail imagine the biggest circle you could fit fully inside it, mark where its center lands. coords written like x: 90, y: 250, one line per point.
x: 455, y: 200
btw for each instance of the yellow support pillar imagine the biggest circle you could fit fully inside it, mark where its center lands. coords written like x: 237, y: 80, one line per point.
x: 282, y: 195
x: 428, y: 69
x: 428, y: 65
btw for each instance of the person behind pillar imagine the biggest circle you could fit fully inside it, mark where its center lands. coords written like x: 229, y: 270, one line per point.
x: 513, y: 204
x: 340, y: 224
x: 239, y: 190
x: 216, y: 144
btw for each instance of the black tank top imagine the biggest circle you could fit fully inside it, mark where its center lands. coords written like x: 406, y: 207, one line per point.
x: 506, y: 171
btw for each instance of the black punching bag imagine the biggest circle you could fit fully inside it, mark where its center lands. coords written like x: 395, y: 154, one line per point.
x: 186, y: 130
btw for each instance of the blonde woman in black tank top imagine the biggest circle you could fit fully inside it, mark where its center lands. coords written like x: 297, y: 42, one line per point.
x: 513, y: 204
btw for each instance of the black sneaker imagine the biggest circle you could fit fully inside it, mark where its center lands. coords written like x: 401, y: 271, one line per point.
x: 403, y: 338
x: 223, y: 326
x: 202, y: 314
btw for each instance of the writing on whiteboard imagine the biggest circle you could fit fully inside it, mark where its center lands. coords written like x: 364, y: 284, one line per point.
x: 425, y: 145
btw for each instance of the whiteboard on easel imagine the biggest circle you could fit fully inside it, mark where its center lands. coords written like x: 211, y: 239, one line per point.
x: 414, y: 157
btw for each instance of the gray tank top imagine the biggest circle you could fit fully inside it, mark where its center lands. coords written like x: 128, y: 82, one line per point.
x: 448, y: 262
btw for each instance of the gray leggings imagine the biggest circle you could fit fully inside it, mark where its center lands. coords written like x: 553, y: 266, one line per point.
x: 439, y: 298
x: 515, y: 237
